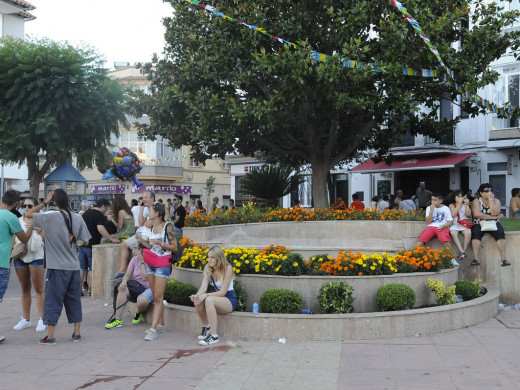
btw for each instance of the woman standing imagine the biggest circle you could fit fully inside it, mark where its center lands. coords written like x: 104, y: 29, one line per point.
x: 162, y: 242
x: 122, y: 218
x: 215, y: 295
x: 29, y: 268
x: 460, y: 211
x: 485, y: 207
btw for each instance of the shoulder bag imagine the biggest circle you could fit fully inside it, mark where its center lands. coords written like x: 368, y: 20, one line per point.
x: 488, y: 225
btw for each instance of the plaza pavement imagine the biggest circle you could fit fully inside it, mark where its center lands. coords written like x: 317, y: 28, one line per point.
x: 486, y: 356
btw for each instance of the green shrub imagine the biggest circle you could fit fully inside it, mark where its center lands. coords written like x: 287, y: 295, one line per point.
x: 336, y: 297
x: 468, y: 290
x: 280, y: 301
x: 443, y: 295
x: 179, y: 293
x: 395, y: 296
x: 241, y: 295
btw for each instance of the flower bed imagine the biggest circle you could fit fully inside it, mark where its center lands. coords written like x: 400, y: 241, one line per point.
x: 278, y: 260
x: 248, y: 213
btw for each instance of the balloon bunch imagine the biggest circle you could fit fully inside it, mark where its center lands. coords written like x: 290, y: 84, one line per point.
x: 125, y: 166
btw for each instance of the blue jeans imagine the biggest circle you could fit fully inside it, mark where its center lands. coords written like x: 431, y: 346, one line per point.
x: 4, y: 281
x: 85, y: 258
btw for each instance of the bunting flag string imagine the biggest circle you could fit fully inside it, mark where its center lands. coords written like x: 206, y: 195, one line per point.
x: 462, y: 89
x: 316, y: 55
x: 352, y: 64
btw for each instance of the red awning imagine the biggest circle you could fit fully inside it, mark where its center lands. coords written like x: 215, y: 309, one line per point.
x: 410, y: 163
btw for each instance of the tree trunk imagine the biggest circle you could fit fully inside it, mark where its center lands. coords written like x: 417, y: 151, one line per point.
x: 35, y: 175
x: 319, y: 184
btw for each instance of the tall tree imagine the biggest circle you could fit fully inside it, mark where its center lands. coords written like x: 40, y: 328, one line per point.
x: 223, y: 87
x: 56, y: 101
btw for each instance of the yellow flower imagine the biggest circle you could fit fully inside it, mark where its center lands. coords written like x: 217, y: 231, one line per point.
x: 295, y: 264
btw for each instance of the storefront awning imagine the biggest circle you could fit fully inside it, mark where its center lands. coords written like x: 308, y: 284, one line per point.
x: 410, y: 163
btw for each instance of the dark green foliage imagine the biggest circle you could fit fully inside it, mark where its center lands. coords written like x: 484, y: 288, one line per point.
x: 179, y: 293
x: 395, y: 297
x: 467, y: 290
x: 241, y: 295
x: 336, y: 297
x: 270, y: 182
x: 224, y: 88
x: 280, y: 301
x: 56, y: 102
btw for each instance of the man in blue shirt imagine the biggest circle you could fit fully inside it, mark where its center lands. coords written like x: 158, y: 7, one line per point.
x: 9, y: 226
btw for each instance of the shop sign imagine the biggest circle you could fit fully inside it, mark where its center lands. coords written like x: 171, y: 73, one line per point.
x: 162, y: 189
x: 107, y: 189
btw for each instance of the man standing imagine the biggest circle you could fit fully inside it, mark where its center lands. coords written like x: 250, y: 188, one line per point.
x: 135, y: 210
x: 95, y: 220
x: 129, y: 244
x: 62, y: 287
x: 9, y: 226
x: 422, y: 196
x: 178, y: 214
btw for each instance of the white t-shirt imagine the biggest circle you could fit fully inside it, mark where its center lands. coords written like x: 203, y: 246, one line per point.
x: 135, y: 213
x: 441, y: 215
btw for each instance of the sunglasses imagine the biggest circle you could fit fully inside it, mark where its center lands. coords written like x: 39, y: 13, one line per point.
x: 29, y: 206
x: 487, y: 190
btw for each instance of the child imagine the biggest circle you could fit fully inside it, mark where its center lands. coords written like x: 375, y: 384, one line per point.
x: 439, y: 219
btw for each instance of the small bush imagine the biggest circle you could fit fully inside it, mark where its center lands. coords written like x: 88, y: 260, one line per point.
x: 443, y: 295
x: 395, y: 297
x: 179, y: 293
x: 241, y: 295
x: 280, y: 301
x: 468, y: 290
x: 336, y: 297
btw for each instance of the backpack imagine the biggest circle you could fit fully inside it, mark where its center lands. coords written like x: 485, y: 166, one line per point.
x: 177, y: 255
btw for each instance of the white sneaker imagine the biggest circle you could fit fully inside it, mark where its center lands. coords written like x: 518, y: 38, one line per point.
x: 41, y: 327
x: 151, y: 334
x: 454, y: 262
x: 23, y: 324
x: 160, y: 328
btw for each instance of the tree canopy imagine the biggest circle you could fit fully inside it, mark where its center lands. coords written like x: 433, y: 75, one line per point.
x: 56, y: 101
x: 224, y: 88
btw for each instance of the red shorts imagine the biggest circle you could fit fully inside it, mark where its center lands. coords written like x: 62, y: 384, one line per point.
x: 431, y: 232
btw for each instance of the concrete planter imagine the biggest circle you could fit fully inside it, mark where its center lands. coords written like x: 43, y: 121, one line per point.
x: 365, y: 287
x: 332, y: 327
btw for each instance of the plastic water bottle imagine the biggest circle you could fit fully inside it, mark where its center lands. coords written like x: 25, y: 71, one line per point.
x: 255, y: 308
x: 517, y: 306
x: 306, y: 311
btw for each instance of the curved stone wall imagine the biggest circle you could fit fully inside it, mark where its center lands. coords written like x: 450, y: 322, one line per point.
x: 365, y: 287
x: 356, y: 326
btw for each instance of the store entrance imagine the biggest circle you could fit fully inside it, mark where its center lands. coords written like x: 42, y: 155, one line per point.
x: 437, y: 180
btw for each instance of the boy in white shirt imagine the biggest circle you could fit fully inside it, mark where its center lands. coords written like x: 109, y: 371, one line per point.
x: 439, y: 219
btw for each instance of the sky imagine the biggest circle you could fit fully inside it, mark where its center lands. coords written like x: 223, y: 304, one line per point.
x: 121, y: 30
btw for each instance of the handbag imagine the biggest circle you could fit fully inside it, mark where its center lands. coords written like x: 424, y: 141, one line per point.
x: 154, y: 260
x: 488, y: 225
x: 19, y: 250
x: 464, y: 222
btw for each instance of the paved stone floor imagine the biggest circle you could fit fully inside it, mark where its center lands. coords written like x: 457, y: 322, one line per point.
x: 486, y: 356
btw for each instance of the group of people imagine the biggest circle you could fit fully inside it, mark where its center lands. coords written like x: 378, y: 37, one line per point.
x: 50, y: 240
x: 446, y: 219
x: 59, y: 249
x: 145, y: 274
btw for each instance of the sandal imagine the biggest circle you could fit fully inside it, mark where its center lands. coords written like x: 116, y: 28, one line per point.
x: 505, y: 263
x: 475, y: 262
x: 462, y: 255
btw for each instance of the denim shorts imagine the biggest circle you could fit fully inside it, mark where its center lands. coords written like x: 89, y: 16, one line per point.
x: 230, y: 294
x: 85, y: 258
x: 4, y: 281
x: 162, y: 272
x: 18, y: 263
x: 148, y: 294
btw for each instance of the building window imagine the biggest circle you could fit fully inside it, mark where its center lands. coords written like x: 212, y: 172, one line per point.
x: 194, y: 163
x: 497, y: 166
x: 506, y: 89
x: 151, y: 153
